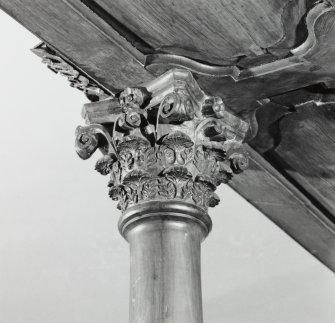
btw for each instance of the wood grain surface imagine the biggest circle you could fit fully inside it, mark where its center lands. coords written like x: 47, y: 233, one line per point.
x: 282, y: 202
x: 165, y: 279
x: 214, y: 31
x: 306, y: 152
x: 86, y: 45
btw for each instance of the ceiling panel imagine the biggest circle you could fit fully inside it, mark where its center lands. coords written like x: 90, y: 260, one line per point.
x: 214, y: 31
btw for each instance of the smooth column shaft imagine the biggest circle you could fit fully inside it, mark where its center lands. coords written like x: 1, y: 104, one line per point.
x: 165, y: 278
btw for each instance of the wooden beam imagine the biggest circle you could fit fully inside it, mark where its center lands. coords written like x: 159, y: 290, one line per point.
x: 275, y: 196
x: 82, y: 38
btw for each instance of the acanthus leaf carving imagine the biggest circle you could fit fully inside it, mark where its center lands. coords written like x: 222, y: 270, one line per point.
x: 176, y: 149
x: 181, y: 147
x: 239, y: 162
x: 104, y: 165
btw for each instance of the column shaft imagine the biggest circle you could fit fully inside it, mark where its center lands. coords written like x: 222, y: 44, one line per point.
x: 165, y: 281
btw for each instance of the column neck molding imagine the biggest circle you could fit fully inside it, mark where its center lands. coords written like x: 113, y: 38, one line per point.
x: 164, y: 211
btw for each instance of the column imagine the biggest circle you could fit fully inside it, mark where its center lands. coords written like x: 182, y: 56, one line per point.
x: 165, y: 281
x: 166, y: 146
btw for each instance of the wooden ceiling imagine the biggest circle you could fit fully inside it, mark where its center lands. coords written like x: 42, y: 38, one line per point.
x: 273, y: 63
x: 218, y: 32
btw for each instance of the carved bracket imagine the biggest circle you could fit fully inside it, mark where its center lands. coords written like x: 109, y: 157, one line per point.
x: 165, y: 140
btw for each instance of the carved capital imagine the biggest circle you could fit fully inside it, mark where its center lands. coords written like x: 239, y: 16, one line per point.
x: 166, y: 140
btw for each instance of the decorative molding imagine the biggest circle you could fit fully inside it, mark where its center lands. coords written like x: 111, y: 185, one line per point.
x: 165, y: 140
x: 241, y: 83
x: 296, y: 56
x: 59, y: 65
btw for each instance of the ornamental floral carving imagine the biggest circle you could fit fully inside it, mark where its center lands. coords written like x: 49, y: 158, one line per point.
x: 60, y: 66
x: 167, y: 140
x: 135, y: 153
x: 176, y: 149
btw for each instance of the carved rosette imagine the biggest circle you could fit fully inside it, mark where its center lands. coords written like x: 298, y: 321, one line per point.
x: 167, y: 140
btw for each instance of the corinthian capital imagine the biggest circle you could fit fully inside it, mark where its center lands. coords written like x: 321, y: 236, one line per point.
x: 165, y: 140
